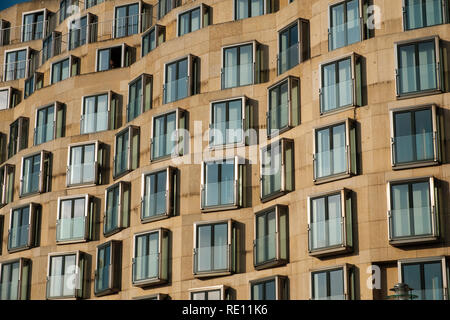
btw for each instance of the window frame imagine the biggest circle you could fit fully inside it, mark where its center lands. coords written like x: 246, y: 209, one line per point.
x: 256, y: 77
x: 44, y: 179
x: 123, y: 63
x: 140, y: 9
x: 57, y: 107
x: 292, y: 122
x: 232, y: 249
x: 115, y: 268
x: 123, y: 207
x: 7, y: 184
x: 89, y: 212
x: 146, y: 79
x: 44, y: 24
x: 348, y: 274
x: 27, y: 63
x: 99, y: 161
x: 22, y: 141
x: 34, y: 215
x: 192, y: 87
x: 37, y: 83
x: 160, y: 31
x: 24, y: 276
x: 347, y: 235
x: 91, y: 20
x: 113, y: 107
x: 268, y: 7
x: 284, y: 189
x: 439, y: 67
x: 173, y: 3
x: 445, y: 15
x: 163, y: 275
x: 12, y: 101
x: 55, y: 46
x: 73, y: 61
x: 132, y: 164
x: 204, y: 11
x: 4, y: 32
x: 281, y: 286
x: 96, y: 4
x: 435, y: 206
x: 171, y: 193
x: 221, y: 288
x: 351, y: 151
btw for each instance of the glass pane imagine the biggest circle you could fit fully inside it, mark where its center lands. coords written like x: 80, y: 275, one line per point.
x: 103, y: 60
x: 204, y: 243
x: 195, y: 20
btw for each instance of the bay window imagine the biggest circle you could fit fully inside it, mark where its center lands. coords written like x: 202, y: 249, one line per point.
x: 139, y: 96
x: 15, y: 277
x: 181, y: 78
x: 64, y: 69
x: 333, y: 283
x: 117, y: 208
x: 293, y: 45
x: 18, y: 136
x: 113, y: 57
x: 6, y: 184
x: 346, y: 23
x: 270, y: 288
x: 193, y: 19
x: 34, y: 25
x: 75, y: 219
x: 424, y: 13
x: 152, y: 38
x: 35, y: 175
x: 9, y: 98
x: 49, y: 123
x: 219, y: 292
x: 108, y: 269
x: 126, y: 151
x: 85, y: 163
x: 23, y: 230
x: 99, y: 112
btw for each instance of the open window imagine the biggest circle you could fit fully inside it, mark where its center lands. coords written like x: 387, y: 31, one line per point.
x: 330, y: 228
x: 117, y: 208
x: 33, y: 83
x: 49, y: 123
x: 64, y: 69
x: 335, y: 151
x: 277, y: 169
x: 333, y: 283
x: 181, y: 78
x: 126, y: 151
x: 216, y: 248
x: 150, y: 258
x: 23, y: 232
x: 293, y: 45
x: 108, y: 270
x: 15, y: 278
x: 270, y: 288
x: 120, y: 56
x: 85, y: 163
x: 7, y: 183
x: 36, y: 173
x: 34, y: 25
x: 67, y: 275
x: 219, y: 292
x: 283, y: 109
x: 168, y: 135
x: 413, y: 210
x: 99, y: 112
x: 252, y: 8
x: 159, y: 194
x: 152, y: 38
x: 223, y: 184
x: 9, y: 98
x: 139, y: 96
x: 18, y: 136
x: 271, y: 243
x: 75, y: 219
x: 193, y: 19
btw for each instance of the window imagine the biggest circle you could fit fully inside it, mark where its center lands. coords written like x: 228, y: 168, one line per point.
x: 427, y: 277
x: 126, y: 151
x: 283, y: 109
x: 270, y: 247
x: 82, y: 31
x: 35, y: 174
x: 345, y: 26
x: 272, y: 288
x: 33, y: 83
x: 413, y: 210
x: 114, y: 57
x: 336, y: 283
x: 222, y: 184
x: 126, y: 20
x: 168, y: 137
x: 159, y: 194
x: 181, y: 79
x: 85, y: 162
x: 423, y: 13
x: 216, y: 248
x: 117, y: 208
x: 7, y: 184
x: 241, y: 65
x: 18, y: 136
x: 5, y: 30
x: 50, y: 123
x: 3, y: 147
x: 67, y: 8
x: 67, y: 275
x: 51, y: 46
x: 193, y: 19
x: 139, y: 96
x: 277, y: 169
x: 418, y: 67
x: 229, y: 121
x: 34, y: 25
x: 75, y: 219
x: 415, y: 136
x: 335, y: 151
x: 64, y: 69
x: 151, y: 258
x: 153, y: 38
x: 16, y: 64
x: 293, y: 45
x: 341, y: 84
x: 156, y: 296
x: 164, y: 6
x: 99, y: 113
x: 15, y: 279
x: 330, y: 223
x: 91, y: 3
x: 252, y: 8
x: 9, y: 98
x: 23, y: 230
x: 108, y: 269
x: 209, y: 293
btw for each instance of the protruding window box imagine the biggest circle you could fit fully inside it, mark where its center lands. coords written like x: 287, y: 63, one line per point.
x: 15, y: 279
x: 85, y: 164
x: 64, y: 69
x: 333, y: 283
x: 181, y: 78
x: 108, y: 270
x: 413, y: 210
x: 9, y: 98
x: 139, y: 96
x: 330, y: 229
x: 270, y: 288
x: 114, y: 57
x: 219, y: 292
x: 99, y: 112
x: 193, y: 19
x: 36, y: 173
x: 117, y: 208
x: 49, y: 123
x: 51, y: 46
x: 7, y: 173
x: 33, y: 83
x: 159, y: 194
x: 75, y: 219
x: 151, y: 258
x: 216, y: 248
x: 271, y: 243
x: 126, y: 151
x: 152, y: 38
x: 18, y: 136
x: 23, y: 230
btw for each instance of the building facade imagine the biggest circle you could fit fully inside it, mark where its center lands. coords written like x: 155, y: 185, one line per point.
x: 229, y: 149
